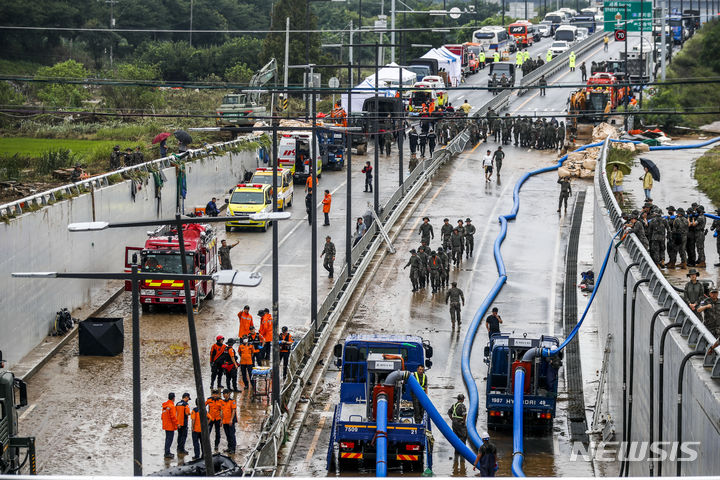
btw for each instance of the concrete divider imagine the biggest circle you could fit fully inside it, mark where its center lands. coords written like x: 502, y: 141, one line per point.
x: 701, y: 387
x: 39, y: 241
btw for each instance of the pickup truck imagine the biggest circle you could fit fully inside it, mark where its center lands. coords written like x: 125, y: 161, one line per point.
x: 236, y: 110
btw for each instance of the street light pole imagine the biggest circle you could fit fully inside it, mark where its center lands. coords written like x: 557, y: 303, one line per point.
x: 137, y: 400
x: 313, y: 213
x: 274, y: 342
x: 348, y: 171
x: 376, y: 114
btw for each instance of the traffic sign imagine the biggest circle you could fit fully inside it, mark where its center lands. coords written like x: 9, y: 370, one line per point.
x: 334, y: 82
x: 637, y: 11
x: 283, y: 103
x: 620, y: 35
x: 454, y: 13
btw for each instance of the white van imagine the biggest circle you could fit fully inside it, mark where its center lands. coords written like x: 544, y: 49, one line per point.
x: 294, y: 153
x: 566, y: 33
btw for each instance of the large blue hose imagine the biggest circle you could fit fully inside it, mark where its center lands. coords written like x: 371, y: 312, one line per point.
x: 518, y: 402
x: 438, y: 420
x: 381, y: 437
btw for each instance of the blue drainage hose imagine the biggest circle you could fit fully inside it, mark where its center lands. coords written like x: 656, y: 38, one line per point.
x: 381, y: 437
x: 518, y: 401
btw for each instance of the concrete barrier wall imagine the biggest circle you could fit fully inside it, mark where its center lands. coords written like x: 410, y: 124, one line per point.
x: 39, y: 241
x: 701, y: 394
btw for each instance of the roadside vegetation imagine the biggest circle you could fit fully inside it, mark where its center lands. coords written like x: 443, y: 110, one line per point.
x: 707, y: 174
x: 697, y: 60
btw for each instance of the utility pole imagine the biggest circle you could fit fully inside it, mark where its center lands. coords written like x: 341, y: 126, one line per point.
x: 287, y: 52
x: 642, y: 61
x: 663, y: 44
x: 112, y: 26
x: 191, y: 21
x: 392, y: 30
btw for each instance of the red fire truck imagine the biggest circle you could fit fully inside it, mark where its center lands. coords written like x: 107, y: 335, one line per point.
x: 161, y: 254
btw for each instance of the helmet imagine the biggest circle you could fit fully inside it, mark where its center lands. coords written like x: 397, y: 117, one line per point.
x: 219, y: 337
x: 485, y: 436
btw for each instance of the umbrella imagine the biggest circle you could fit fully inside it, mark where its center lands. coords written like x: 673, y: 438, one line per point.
x: 160, y: 137
x: 652, y: 168
x: 183, y: 137
x: 624, y: 167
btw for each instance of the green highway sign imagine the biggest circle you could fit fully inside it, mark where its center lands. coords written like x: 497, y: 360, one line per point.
x: 634, y: 16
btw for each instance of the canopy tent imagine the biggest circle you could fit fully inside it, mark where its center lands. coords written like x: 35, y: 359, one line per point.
x: 457, y: 63
x: 366, y: 89
x: 450, y: 64
x: 389, y: 74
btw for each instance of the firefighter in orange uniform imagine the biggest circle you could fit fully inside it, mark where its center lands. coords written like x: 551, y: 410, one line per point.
x: 285, y: 342
x: 229, y: 419
x: 169, y: 423
x: 339, y: 115
x: 245, y: 350
x: 216, y: 351
x: 326, y: 202
x: 256, y: 341
x: 230, y: 366
x: 214, y: 411
x: 182, y: 410
x: 196, y: 429
x: 246, y: 321
x: 266, y: 326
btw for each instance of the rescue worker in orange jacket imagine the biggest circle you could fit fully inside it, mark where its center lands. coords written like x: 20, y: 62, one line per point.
x: 182, y: 411
x: 326, y: 201
x: 257, y: 342
x: 285, y: 341
x: 169, y: 423
x: 216, y: 351
x: 245, y: 350
x: 246, y: 320
x: 230, y: 366
x: 229, y: 419
x: 214, y: 411
x: 266, y: 327
x: 339, y: 115
x: 196, y: 429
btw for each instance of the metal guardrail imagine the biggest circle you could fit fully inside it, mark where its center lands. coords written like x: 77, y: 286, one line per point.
x: 49, y: 197
x: 559, y: 62
x: 304, y: 357
x: 697, y: 335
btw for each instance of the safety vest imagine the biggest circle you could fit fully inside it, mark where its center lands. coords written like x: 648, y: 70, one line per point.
x: 519, y: 59
x: 526, y: 56
x: 572, y: 60
x: 424, y: 377
x: 548, y: 57
x: 216, y: 350
x: 454, y: 410
x: 496, y: 57
x: 285, y: 340
x: 481, y: 57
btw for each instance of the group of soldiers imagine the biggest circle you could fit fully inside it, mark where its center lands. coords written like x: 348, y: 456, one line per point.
x: 522, y: 131
x: 682, y: 233
x: 433, y: 266
x: 127, y: 158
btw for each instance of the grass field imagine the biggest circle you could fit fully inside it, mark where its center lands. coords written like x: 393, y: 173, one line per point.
x: 707, y: 173
x: 34, y: 147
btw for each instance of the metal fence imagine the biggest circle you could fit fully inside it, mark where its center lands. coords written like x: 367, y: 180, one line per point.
x: 304, y: 357
x: 48, y: 197
x: 697, y: 335
x: 559, y: 62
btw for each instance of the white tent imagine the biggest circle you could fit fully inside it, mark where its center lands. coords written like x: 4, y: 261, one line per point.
x: 457, y: 64
x: 450, y: 64
x: 390, y: 74
x: 366, y: 89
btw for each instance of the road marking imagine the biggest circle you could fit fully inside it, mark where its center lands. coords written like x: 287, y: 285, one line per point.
x: 289, y: 234
x: 27, y: 412
x: 553, y: 283
x: 475, y: 147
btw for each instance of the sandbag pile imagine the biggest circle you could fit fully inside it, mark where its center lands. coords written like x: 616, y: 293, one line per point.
x: 603, y: 131
x: 580, y: 164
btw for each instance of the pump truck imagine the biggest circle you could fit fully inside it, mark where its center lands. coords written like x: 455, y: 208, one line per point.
x: 13, y: 396
x: 503, y: 355
x: 365, y: 362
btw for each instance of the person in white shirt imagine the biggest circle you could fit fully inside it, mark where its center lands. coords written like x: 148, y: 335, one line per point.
x: 488, y: 165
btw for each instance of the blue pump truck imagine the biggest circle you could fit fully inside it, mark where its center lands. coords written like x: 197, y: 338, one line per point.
x: 503, y: 355
x: 332, y: 148
x: 365, y: 362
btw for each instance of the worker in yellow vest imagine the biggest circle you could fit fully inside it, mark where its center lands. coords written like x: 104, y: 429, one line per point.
x: 481, y: 59
x: 572, y: 61
x: 496, y: 56
x: 519, y: 57
x: 548, y: 57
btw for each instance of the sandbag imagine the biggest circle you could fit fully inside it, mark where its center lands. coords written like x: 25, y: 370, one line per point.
x: 585, y: 173
x: 589, y: 164
x: 564, y: 172
x: 603, y: 131
x: 630, y: 147
x: 576, y: 156
x: 642, y: 147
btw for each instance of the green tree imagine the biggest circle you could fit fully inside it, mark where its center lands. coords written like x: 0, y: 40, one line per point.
x: 62, y: 94
x: 238, y: 73
x: 129, y: 99
x: 10, y: 96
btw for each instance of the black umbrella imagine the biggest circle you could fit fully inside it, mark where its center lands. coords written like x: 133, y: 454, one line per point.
x: 652, y: 168
x: 183, y: 137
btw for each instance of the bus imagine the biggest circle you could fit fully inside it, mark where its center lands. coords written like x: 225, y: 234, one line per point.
x: 555, y: 19
x: 587, y: 21
x: 493, y: 38
x: 566, y: 33
x: 522, y: 31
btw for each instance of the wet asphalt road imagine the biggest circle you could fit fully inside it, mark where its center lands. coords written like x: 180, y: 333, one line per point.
x: 84, y: 404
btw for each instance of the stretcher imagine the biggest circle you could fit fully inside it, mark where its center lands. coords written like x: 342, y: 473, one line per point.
x: 262, y: 380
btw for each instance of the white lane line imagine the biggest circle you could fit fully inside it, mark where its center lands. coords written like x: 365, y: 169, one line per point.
x: 27, y: 412
x: 553, y: 283
x: 267, y: 257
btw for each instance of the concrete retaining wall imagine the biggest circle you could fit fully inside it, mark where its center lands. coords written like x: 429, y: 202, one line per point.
x: 701, y: 395
x: 39, y: 241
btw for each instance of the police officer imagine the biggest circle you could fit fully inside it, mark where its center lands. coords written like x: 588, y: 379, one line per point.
x: 414, y: 264
x: 421, y: 378
x: 457, y: 414
x: 455, y: 296
x: 469, y: 237
x: 329, y: 254
x: 285, y: 341
x: 565, y: 192
x: 413, y: 139
x: 426, y: 231
x: 437, y: 271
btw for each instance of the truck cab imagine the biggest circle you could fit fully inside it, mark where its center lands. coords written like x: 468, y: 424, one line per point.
x: 503, y: 355
x: 236, y: 109
x: 332, y: 148
x: 365, y: 361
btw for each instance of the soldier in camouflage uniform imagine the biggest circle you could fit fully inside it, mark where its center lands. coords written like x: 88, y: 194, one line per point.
x: 414, y: 264
x: 639, y: 231
x: 422, y: 254
x: 679, y: 233
x: 656, y: 228
x: 691, y: 216
x: 671, y: 248
x: 461, y: 229
x: 445, y: 232
x: 426, y: 231
x: 455, y: 296
x: 497, y: 129
x: 437, y: 271
x: 445, y: 258
x: 716, y: 226
x: 469, y: 237
x: 456, y: 242
x: 700, y: 236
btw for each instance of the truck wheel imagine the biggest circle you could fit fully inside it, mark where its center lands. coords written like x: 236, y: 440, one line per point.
x: 228, y: 229
x: 265, y: 226
x: 145, y: 307
x: 291, y: 200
